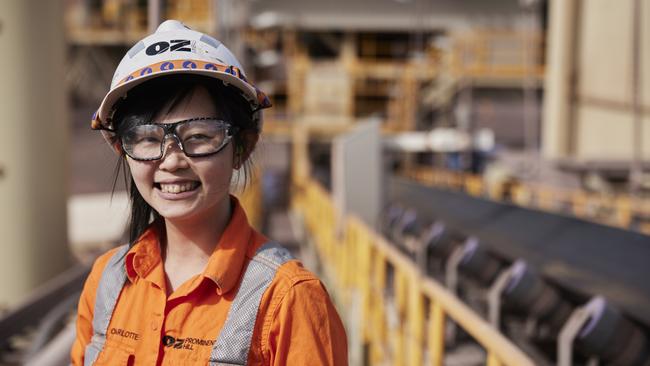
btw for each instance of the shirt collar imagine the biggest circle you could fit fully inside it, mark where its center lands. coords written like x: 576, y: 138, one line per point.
x: 144, y: 255
x: 225, y: 264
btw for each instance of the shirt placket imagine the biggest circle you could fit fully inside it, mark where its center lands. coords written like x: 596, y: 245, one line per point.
x: 154, y: 314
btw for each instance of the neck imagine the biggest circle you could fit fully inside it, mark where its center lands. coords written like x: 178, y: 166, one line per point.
x: 196, y: 238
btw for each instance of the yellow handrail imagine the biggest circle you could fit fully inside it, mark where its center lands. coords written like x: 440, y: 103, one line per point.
x: 395, y: 322
x: 250, y: 196
x: 497, y: 54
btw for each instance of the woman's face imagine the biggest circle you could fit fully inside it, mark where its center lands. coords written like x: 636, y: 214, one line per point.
x: 183, y: 188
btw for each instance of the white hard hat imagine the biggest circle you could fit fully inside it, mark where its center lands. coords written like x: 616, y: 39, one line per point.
x: 174, y: 48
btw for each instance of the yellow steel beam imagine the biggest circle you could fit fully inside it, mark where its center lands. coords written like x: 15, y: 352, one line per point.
x: 437, y: 336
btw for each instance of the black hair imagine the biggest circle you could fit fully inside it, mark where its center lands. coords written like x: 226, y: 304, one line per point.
x: 158, y: 97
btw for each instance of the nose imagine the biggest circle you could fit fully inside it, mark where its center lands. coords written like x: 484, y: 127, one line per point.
x: 173, y: 157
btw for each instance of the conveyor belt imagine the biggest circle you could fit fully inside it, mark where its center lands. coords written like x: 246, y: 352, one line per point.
x: 583, y: 257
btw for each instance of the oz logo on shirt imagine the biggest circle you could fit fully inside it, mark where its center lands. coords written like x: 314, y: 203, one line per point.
x: 185, y: 343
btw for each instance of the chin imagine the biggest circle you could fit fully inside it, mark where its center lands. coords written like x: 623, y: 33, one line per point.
x: 185, y: 211
x: 172, y: 214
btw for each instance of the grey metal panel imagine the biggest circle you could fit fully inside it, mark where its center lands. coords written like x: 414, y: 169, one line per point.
x: 356, y: 171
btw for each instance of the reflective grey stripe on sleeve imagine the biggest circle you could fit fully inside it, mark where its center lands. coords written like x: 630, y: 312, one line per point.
x: 110, y: 286
x: 234, y: 341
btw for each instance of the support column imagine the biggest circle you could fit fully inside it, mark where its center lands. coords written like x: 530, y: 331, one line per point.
x: 33, y: 143
x: 556, y: 128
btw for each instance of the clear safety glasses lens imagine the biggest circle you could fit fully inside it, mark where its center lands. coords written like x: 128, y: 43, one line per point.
x: 196, y: 137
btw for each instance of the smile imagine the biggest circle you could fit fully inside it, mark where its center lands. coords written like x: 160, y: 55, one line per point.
x: 177, y: 187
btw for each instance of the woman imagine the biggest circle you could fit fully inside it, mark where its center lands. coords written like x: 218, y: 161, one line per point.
x: 196, y: 284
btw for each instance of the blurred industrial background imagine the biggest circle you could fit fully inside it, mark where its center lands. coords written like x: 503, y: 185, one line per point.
x: 469, y: 178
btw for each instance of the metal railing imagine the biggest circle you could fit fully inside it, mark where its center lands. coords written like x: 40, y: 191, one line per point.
x: 403, y: 313
x: 42, y: 322
x: 498, y: 54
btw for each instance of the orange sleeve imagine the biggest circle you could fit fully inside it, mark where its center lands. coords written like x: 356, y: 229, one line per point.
x: 306, y: 329
x: 85, y: 309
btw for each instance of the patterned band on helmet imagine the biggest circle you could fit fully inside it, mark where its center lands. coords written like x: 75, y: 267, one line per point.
x: 165, y: 66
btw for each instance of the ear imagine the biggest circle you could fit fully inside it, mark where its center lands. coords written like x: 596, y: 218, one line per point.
x: 244, y: 150
x: 116, y: 145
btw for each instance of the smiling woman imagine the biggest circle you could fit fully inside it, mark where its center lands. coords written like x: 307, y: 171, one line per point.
x: 177, y: 188
x: 161, y: 119
x: 195, y: 284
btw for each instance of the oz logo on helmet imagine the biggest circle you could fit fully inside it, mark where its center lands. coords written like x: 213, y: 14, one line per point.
x: 180, y: 45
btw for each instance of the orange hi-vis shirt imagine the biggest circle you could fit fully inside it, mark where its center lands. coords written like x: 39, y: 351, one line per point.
x: 296, y: 323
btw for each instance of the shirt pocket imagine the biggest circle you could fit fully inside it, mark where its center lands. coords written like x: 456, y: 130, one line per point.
x: 114, y: 354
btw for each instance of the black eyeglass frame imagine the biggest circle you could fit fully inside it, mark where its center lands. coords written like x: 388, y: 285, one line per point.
x: 169, y: 129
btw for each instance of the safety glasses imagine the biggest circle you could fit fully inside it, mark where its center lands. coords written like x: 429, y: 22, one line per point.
x: 196, y: 137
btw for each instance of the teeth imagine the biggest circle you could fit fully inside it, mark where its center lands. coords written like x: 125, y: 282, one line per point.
x: 177, y: 188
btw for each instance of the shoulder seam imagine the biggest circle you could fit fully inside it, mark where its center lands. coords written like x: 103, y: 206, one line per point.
x: 266, y: 327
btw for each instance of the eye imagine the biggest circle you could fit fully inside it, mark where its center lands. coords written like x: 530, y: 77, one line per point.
x: 198, y: 137
x: 147, y: 140
x: 144, y: 134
